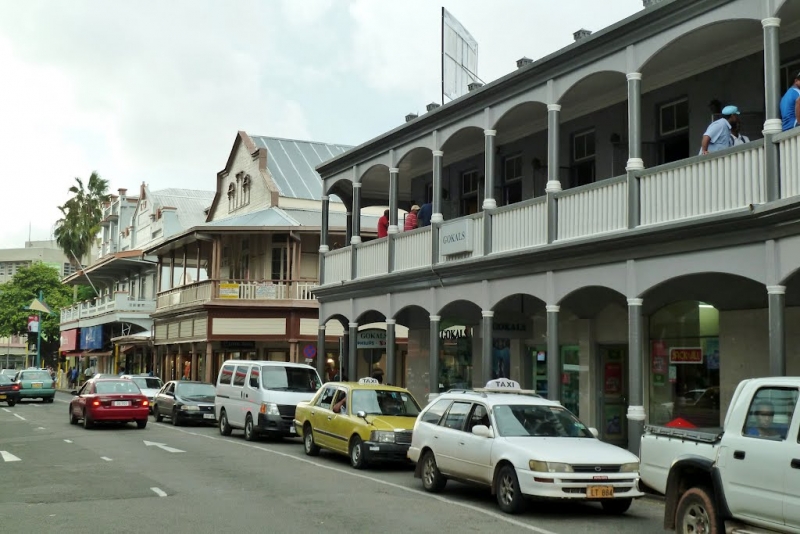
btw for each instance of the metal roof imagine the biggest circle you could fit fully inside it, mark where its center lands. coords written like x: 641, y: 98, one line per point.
x: 190, y: 204
x: 292, y: 164
x: 277, y: 217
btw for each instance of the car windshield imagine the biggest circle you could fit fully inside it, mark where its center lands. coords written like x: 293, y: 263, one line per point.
x: 35, y: 375
x: 116, y: 386
x: 532, y: 420
x: 384, y: 402
x: 289, y: 378
x: 147, y: 383
x: 200, y: 391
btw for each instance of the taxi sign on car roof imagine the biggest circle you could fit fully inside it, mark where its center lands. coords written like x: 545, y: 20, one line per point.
x: 506, y: 385
x: 368, y: 381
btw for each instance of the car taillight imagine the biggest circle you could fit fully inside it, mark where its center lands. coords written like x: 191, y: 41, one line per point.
x: 145, y: 403
x: 15, y: 387
x: 95, y: 403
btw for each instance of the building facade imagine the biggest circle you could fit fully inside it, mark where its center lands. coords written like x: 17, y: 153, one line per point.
x: 47, y: 252
x: 578, y: 244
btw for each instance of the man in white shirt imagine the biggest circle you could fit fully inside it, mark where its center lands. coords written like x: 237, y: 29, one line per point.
x: 738, y: 138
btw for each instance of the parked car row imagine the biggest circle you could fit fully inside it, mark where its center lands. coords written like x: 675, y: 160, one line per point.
x: 32, y: 383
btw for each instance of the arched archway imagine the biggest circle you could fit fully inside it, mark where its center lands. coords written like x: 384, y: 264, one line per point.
x: 521, y: 120
x: 375, y: 186
x: 467, y: 142
x: 416, y: 173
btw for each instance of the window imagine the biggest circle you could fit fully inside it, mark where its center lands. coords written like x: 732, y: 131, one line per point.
x: 326, y: 397
x: 240, y: 375
x: 583, y: 152
x: 479, y: 416
x: 457, y: 415
x: 246, y: 190
x: 512, y: 180
x: 231, y: 197
x: 254, y: 374
x: 770, y: 413
x: 471, y: 192
x: 384, y: 402
x: 435, y: 412
x: 289, y: 378
x: 342, y: 394
x: 673, y: 127
x: 280, y: 264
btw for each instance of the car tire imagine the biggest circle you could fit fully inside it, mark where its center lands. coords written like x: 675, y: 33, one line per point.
x: 72, y: 419
x: 509, y: 496
x: 141, y: 423
x: 11, y: 402
x: 696, y: 512
x: 357, y: 453
x: 50, y: 400
x: 157, y: 414
x: 175, y: 417
x: 616, y: 506
x: 249, y: 428
x: 310, y: 446
x: 224, y: 428
x: 87, y: 423
x: 432, y: 479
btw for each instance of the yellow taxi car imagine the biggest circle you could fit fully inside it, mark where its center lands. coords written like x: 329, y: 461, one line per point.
x: 367, y: 421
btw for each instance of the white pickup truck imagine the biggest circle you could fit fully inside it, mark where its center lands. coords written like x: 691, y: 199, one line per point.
x: 741, y: 478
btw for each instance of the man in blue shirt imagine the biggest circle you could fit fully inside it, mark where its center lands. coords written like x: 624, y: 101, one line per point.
x: 424, y: 215
x: 790, y: 105
x: 718, y: 135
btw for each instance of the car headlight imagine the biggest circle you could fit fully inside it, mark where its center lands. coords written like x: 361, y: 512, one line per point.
x: 632, y: 467
x: 381, y: 436
x: 270, y: 408
x: 549, y: 467
x: 187, y: 408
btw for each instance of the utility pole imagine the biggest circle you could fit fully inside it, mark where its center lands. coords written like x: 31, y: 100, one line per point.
x: 39, y: 335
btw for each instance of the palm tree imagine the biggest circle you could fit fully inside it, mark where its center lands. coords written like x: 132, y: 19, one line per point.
x: 79, y: 225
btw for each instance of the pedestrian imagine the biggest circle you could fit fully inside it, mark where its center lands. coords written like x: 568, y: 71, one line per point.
x: 411, y: 218
x: 425, y: 214
x: 718, y: 134
x: 790, y: 105
x: 383, y: 224
x: 738, y: 138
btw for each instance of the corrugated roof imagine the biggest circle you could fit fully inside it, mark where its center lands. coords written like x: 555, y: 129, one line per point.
x: 190, y: 204
x: 335, y: 218
x: 276, y: 217
x: 291, y: 164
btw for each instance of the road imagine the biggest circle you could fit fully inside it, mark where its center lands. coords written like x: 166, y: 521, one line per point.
x: 55, y: 477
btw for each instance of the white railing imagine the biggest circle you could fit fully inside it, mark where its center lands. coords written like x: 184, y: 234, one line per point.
x: 186, y: 295
x: 593, y: 209
x: 476, y: 222
x: 703, y: 185
x: 265, y: 290
x: 789, y: 148
x: 119, y: 302
x: 337, y: 265
x: 520, y: 225
x: 412, y: 249
x: 373, y: 258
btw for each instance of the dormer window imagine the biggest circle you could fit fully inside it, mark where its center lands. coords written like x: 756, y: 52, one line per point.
x: 231, y: 197
x: 246, y: 190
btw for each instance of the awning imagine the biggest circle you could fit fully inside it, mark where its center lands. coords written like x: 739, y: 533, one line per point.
x: 141, y: 338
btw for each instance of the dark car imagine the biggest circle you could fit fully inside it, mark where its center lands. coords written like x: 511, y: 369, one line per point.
x: 9, y: 390
x: 183, y: 401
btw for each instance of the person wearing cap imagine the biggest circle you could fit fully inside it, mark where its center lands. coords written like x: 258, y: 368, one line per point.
x: 718, y: 134
x: 411, y: 218
x: 790, y: 105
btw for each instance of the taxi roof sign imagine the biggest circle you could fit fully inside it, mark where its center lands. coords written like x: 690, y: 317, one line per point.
x: 368, y: 381
x: 502, y: 383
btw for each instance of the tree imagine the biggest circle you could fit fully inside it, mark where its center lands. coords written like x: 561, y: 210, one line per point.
x: 81, y: 215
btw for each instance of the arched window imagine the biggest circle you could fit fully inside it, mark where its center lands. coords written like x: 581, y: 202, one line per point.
x: 246, y: 190
x: 231, y: 197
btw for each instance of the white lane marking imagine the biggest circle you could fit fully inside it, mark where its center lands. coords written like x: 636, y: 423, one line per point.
x: 35, y: 405
x: 420, y: 493
x: 159, y: 492
x: 8, y: 457
x: 6, y: 410
x: 19, y: 417
x: 161, y: 446
x: 106, y: 458
x: 65, y: 402
x: 67, y: 441
x: 41, y: 428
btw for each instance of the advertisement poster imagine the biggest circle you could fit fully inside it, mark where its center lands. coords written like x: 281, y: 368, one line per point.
x: 228, y: 290
x: 711, y: 352
x: 612, y: 420
x: 612, y: 378
x: 501, y: 357
x: 266, y: 291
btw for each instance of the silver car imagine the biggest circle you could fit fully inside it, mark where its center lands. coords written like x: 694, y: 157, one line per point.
x: 150, y: 386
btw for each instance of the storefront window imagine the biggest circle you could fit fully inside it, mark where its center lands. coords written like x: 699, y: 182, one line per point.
x: 684, y: 365
x: 455, y: 358
x: 571, y: 378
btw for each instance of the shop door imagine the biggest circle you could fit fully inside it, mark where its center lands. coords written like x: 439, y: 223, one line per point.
x: 613, y: 394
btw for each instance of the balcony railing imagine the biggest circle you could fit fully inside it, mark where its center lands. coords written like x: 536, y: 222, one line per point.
x: 228, y: 290
x: 696, y: 187
x: 118, y: 302
x: 191, y: 294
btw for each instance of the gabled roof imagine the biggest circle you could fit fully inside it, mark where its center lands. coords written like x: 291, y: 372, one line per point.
x: 292, y: 164
x: 277, y: 217
x: 190, y: 204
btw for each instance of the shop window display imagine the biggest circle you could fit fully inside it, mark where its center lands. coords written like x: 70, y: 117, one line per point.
x: 684, y: 366
x: 455, y: 359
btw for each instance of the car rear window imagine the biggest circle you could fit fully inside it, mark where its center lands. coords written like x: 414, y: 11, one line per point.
x: 117, y: 386
x: 5, y: 380
x: 147, y: 382
x: 35, y: 375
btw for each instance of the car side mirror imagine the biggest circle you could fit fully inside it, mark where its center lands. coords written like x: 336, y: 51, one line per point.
x: 483, y: 431
x: 362, y: 414
x: 74, y: 392
x: 594, y: 431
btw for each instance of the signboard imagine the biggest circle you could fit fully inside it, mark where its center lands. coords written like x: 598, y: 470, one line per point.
x: 309, y: 351
x: 228, y: 290
x: 455, y: 237
x: 454, y: 333
x: 678, y: 355
x: 612, y: 379
x: 266, y: 291
x: 459, y: 57
x: 69, y: 340
x: 33, y: 324
x: 238, y: 345
x: 92, y: 337
x: 371, y: 339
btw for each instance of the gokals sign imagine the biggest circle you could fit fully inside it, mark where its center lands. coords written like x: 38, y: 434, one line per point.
x: 455, y: 237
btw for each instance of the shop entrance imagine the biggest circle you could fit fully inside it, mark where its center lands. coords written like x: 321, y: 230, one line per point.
x: 613, y: 394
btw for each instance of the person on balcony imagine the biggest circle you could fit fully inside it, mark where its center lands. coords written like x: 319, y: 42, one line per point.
x: 738, y: 137
x: 790, y: 105
x: 718, y: 135
x: 411, y: 219
x: 383, y: 225
x: 425, y: 214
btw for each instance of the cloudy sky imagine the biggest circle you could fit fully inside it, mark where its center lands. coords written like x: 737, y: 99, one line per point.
x: 153, y: 91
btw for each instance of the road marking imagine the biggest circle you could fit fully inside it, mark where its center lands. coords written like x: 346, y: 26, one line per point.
x: 41, y: 428
x: 106, y: 458
x: 159, y: 492
x: 420, y: 493
x: 67, y: 441
x: 35, y: 405
x: 19, y: 417
x: 161, y: 446
x: 6, y: 410
x: 8, y: 457
x: 65, y: 402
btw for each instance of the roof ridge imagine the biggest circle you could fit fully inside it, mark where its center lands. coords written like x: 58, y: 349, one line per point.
x: 301, y: 141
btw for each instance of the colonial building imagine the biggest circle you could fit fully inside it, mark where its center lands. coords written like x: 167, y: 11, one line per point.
x: 240, y: 284
x: 114, y: 330
x: 579, y: 244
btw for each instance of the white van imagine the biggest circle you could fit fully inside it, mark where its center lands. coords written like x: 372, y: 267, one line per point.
x: 260, y: 397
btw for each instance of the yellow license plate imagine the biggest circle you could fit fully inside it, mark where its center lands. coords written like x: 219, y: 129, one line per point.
x: 37, y: 384
x: 2, y: 397
x: 600, y: 492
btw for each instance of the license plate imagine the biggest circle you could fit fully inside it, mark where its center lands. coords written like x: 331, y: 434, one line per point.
x: 37, y: 384
x: 208, y: 416
x: 122, y: 403
x: 600, y: 492
x: 291, y: 429
x: 2, y: 397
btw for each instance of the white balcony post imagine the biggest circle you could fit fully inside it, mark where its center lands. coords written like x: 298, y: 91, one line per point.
x: 635, y: 161
x: 488, y: 179
x: 553, y: 123
x: 438, y: 161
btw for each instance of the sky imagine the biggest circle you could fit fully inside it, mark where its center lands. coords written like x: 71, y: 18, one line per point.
x: 155, y: 92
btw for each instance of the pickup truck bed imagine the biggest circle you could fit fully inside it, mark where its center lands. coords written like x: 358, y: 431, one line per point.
x: 661, y: 446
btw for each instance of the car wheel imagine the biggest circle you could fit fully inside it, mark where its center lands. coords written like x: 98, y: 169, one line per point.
x: 11, y: 402
x: 87, y: 423
x: 224, y: 428
x: 312, y: 449
x: 50, y: 400
x: 697, y: 513
x: 509, y: 496
x: 176, y: 420
x: 157, y: 415
x: 249, y: 430
x: 357, y: 453
x: 72, y: 419
x: 141, y: 423
x: 432, y: 479
x: 616, y: 506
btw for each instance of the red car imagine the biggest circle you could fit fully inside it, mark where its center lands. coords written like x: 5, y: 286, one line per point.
x: 9, y: 390
x: 109, y: 401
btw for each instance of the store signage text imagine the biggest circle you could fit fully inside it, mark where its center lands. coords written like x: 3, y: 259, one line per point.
x: 455, y: 237
x: 685, y: 355
x: 371, y: 339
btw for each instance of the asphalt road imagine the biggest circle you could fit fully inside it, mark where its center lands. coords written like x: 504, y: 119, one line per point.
x: 55, y: 477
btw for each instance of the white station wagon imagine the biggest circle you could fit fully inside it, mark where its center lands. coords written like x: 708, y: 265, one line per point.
x: 520, y: 445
